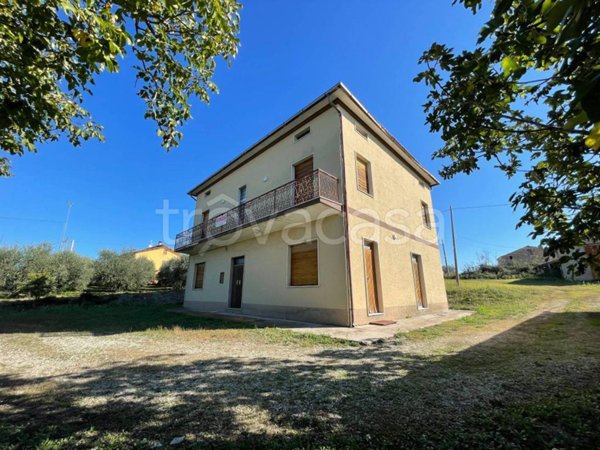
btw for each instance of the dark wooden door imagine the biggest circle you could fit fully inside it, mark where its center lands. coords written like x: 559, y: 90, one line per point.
x: 205, y: 223
x: 371, y: 279
x: 418, y: 276
x: 237, y: 282
x: 303, y: 188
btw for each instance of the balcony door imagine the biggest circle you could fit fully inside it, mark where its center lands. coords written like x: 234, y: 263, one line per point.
x: 205, y: 223
x: 237, y: 282
x: 303, y: 186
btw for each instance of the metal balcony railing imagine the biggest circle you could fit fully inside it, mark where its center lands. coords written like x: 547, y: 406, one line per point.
x: 319, y: 184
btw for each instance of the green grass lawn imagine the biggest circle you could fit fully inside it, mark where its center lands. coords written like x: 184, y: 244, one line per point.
x: 521, y: 372
x: 495, y: 300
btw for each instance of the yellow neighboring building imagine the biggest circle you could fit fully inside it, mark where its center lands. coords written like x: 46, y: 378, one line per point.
x: 158, y: 254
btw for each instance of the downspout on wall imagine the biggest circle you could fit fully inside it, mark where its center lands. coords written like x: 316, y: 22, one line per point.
x: 345, y: 218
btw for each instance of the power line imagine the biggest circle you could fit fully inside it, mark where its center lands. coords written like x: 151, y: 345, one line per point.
x: 29, y: 219
x: 486, y: 243
x: 479, y: 206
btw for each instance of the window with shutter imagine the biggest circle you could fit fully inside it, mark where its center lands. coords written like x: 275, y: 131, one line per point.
x: 363, y: 175
x: 304, y: 264
x: 426, y: 216
x: 199, y: 279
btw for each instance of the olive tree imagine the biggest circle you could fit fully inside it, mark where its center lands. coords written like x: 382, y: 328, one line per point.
x: 122, y: 271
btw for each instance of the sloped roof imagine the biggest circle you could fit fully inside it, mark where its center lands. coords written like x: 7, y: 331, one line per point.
x: 338, y: 94
x: 156, y: 247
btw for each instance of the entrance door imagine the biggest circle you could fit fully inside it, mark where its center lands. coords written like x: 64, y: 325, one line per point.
x: 373, y: 303
x: 417, y: 268
x: 237, y: 281
x: 303, y: 188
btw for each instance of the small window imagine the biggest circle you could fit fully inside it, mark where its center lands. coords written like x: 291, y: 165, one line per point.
x: 362, y: 131
x: 304, y: 264
x: 426, y: 216
x: 363, y: 176
x: 302, y: 133
x: 221, y: 277
x: 207, y: 193
x: 243, y: 197
x: 199, y: 280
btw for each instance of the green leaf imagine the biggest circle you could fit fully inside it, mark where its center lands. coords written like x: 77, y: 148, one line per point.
x: 509, y: 65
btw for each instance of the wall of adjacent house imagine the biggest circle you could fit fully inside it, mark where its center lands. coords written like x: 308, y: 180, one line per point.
x: 266, y: 290
x: 157, y: 256
x: 590, y: 273
x: 274, y: 167
x: 522, y: 256
x: 392, y: 218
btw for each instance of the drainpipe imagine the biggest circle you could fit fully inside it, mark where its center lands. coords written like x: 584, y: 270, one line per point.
x: 345, y: 217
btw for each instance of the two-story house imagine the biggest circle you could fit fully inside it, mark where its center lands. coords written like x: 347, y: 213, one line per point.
x: 326, y: 219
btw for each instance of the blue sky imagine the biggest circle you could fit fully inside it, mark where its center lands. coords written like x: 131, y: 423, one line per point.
x: 290, y: 53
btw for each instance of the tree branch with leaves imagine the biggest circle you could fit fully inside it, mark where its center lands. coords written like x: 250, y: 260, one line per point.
x: 527, y: 98
x: 52, y: 50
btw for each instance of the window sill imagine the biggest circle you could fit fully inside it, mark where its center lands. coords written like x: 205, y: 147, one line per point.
x: 305, y: 286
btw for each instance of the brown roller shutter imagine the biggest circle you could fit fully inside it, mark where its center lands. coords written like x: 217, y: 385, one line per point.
x: 362, y: 173
x: 426, y: 217
x: 304, y: 270
x: 199, y: 282
x: 303, y: 169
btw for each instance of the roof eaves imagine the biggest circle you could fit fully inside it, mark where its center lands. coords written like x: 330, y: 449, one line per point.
x: 196, y: 190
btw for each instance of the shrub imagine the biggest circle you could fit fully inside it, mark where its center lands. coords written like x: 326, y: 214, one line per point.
x: 121, y: 271
x: 11, y: 274
x: 37, y: 259
x: 71, y: 271
x: 488, y: 271
x: 173, y: 273
x: 38, y: 285
x: 16, y: 263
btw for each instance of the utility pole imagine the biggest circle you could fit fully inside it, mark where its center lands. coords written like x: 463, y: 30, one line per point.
x: 454, y: 245
x: 445, y: 258
x: 63, y: 239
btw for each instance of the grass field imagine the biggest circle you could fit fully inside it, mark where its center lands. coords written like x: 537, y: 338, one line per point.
x: 521, y: 372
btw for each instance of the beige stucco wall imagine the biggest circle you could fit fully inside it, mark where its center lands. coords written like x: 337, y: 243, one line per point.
x: 266, y: 276
x: 274, y: 167
x: 395, y: 206
x: 397, y: 234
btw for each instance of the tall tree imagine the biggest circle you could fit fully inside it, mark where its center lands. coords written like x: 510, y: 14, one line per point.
x: 51, y: 51
x: 528, y: 99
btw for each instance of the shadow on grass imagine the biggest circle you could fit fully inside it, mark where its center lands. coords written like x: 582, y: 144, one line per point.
x: 150, y: 295
x: 106, y: 319
x: 534, y: 386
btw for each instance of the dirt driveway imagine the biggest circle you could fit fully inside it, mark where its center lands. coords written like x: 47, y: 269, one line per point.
x: 68, y: 379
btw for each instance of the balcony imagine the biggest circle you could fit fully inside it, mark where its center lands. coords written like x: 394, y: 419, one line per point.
x: 319, y: 186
